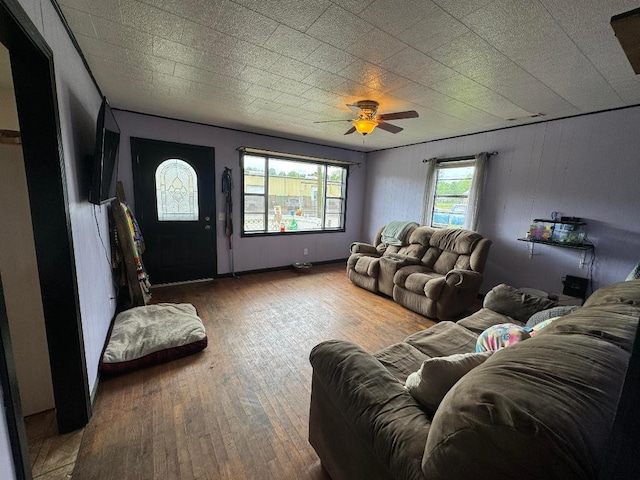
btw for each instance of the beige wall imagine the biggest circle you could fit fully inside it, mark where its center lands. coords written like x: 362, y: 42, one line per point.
x: 21, y: 287
x: 19, y: 269
x: 8, y: 119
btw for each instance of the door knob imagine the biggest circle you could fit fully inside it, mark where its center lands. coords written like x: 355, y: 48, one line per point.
x: 207, y: 227
x: 206, y: 219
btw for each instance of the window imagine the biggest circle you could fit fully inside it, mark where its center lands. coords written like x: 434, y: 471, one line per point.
x: 281, y: 194
x: 453, y: 184
x: 176, y: 191
x: 453, y: 191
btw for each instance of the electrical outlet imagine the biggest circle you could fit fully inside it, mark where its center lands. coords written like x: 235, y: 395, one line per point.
x: 305, y: 251
x: 221, y: 216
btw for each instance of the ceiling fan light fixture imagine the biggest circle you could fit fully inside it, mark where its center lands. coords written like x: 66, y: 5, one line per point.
x: 365, y: 126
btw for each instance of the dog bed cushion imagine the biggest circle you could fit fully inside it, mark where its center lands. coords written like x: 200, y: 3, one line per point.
x: 153, y: 334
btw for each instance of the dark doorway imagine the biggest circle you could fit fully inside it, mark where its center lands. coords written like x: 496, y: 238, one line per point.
x: 34, y: 82
x: 174, y: 186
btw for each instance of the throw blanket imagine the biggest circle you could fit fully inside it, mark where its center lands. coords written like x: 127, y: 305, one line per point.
x: 394, y: 232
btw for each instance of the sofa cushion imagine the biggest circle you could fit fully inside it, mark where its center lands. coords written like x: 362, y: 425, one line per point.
x: 623, y: 292
x: 401, y: 275
x: 401, y: 359
x: 544, y: 315
x: 444, y: 338
x: 484, y: 318
x: 615, y: 323
x: 515, y: 303
x: 461, y: 242
x: 422, y: 235
x: 416, y: 282
x: 369, y: 266
x: 448, y: 261
x: 414, y: 250
x: 436, y: 376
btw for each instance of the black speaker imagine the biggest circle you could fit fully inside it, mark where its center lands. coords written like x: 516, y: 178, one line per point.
x: 575, y: 286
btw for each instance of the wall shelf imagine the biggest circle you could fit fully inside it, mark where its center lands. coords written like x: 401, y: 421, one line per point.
x: 565, y: 232
x: 583, y: 248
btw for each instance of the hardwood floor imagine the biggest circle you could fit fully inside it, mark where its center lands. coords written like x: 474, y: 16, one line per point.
x: 239, y: 409
x: 52, y: 456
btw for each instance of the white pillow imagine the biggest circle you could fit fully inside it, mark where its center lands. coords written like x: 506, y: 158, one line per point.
x: 437, y: 375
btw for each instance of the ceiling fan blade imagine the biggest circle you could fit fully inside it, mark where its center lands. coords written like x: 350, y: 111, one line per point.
x: 389, y: 127
x: 399, y: 115
x: 329, y: 121
x: 351, y: 130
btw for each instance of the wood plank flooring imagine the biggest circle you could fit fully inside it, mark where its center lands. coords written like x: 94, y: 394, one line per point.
x: 239, y: 409
x: 52, y: 455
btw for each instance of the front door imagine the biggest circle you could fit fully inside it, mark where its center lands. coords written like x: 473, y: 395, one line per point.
x: 174, y: 186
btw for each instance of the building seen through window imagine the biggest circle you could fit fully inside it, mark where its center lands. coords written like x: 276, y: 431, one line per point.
x: 284, y: 195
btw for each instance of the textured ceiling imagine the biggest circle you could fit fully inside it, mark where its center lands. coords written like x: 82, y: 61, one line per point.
x: 276, y: 66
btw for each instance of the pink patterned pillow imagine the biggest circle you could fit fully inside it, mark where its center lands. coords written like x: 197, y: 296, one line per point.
x: 500, y: 336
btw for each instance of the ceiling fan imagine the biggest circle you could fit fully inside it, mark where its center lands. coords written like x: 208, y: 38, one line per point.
x: 368, y: 118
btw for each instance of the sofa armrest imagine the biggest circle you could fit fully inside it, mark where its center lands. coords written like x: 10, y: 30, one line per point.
x: 366, y: 248
x: 464, y: 279
x: 374, y: 404
x: 453, y: 280
x: 401, y: 275
x: 360, y: 382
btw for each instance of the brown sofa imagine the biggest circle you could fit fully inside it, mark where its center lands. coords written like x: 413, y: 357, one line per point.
x: 437, y: 272
x: 540, y: 409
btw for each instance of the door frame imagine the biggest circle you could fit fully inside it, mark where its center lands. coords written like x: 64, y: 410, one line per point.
x: 136, y: 142
x: 12, y: 404
x: 36, y: 101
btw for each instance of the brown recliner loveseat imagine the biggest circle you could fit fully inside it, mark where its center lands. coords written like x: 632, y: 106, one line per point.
x: 437, y: 272
x: 448, y: 278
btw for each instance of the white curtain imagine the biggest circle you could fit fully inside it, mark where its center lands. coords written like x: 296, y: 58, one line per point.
x: 429, y: 191
x: 475, y: 193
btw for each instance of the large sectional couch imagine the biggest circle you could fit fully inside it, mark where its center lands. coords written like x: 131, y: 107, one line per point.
x: 540, y: 409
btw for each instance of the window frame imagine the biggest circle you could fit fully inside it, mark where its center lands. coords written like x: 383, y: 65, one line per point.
x: 443, y: 165
x: 268, y: 155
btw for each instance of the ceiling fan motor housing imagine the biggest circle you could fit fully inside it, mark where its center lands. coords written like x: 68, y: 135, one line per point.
x: 368, y: 108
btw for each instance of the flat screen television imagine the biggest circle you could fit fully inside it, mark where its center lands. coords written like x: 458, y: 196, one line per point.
x: 104, y: 164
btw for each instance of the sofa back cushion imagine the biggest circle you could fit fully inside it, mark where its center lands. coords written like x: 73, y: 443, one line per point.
x: 515, y: 303
x: 418, y: 242
x: 623, y: 292
x: 450, y: 249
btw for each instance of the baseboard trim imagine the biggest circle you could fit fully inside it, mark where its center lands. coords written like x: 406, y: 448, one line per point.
x: 275, y: 269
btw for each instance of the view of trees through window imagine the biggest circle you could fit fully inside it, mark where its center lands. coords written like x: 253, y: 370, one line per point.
x: 282, y: 195
x: 452, y: 194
